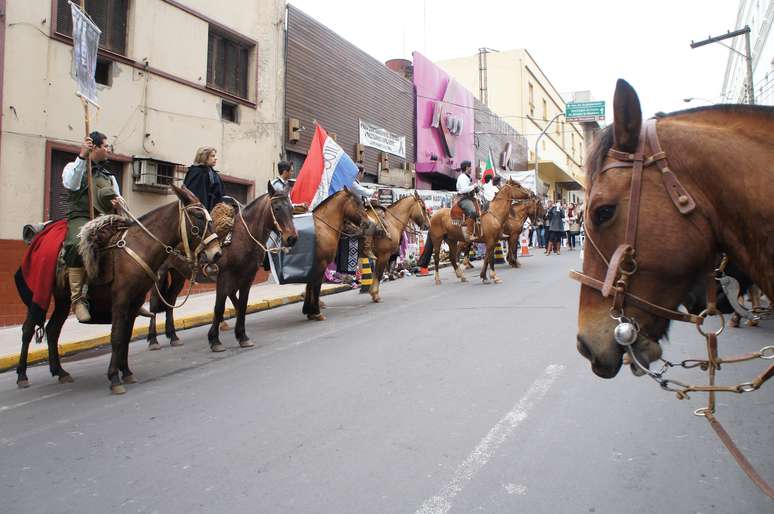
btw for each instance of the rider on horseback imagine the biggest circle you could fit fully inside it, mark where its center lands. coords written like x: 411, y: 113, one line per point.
x: 367, y: 196
x: 106, y: 193
x: 467, y: 189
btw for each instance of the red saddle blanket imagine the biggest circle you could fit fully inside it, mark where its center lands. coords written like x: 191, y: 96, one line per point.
x: 36, y: 277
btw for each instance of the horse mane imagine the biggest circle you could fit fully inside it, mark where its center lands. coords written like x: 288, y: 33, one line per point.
x: 328, y: 198
x: 604, y: 140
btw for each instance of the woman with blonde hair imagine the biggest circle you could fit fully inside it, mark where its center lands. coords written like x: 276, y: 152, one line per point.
x: 203, y: 179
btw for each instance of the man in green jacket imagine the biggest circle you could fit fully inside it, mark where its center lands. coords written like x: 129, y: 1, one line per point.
x: 106, y: 190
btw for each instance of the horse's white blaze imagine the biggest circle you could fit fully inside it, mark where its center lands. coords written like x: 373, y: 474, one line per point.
x: 441, y: 503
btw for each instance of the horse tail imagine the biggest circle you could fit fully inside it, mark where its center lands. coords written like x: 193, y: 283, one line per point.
x: 424, y: 259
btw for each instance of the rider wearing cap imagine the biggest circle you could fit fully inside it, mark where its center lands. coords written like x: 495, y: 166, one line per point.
x: 106, y: 192
x: 467, y: 189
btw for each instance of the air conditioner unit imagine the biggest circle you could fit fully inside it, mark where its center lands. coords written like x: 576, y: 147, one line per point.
x: 145, y: 172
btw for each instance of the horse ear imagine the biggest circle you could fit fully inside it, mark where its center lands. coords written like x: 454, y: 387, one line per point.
x: 270, y: 189
x: 184, y: 194
x: 627, y: 116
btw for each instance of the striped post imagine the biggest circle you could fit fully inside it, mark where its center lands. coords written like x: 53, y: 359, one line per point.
x: 366, y: 275
x: 499, y: 257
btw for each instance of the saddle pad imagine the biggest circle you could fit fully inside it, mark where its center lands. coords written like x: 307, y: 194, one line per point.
x: 346, y: 256
x: 296, y: 266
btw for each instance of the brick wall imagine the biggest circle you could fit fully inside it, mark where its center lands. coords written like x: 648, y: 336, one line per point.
x: 12, y: 310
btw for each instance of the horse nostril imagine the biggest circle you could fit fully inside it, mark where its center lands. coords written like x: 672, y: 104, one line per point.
x: 216, y: 256
x: 583, y: 348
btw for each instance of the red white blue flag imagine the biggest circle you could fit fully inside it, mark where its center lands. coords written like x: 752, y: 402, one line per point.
x: 326, y: 170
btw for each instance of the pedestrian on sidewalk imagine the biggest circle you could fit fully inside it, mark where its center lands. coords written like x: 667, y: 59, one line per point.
x: 554, y: 222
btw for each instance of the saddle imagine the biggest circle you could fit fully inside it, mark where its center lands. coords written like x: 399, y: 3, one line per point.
x: 458, y: 216
x: 97, y: 239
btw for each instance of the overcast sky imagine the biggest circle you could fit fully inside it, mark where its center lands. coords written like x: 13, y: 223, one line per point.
x: 579, y: 45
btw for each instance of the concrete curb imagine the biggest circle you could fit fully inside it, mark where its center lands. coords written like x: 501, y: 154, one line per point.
x: 194, y: 320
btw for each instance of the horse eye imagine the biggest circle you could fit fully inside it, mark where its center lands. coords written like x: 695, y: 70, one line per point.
x: 603, y: 214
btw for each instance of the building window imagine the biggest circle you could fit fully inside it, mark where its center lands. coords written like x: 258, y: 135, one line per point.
x: 229, y: 112
x: 236, y: 190
x: 103, y: 74
x: 545, y: 110
x: 531, y: 99
x: 109, y: 15
x: 227, y: 64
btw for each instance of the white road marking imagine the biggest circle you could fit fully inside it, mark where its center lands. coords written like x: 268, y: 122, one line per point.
x: 479, y: 457
x: 22, y: 404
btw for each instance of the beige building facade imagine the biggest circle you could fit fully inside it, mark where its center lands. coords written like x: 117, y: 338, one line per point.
x: 519, y: 92
x: 173, y: 75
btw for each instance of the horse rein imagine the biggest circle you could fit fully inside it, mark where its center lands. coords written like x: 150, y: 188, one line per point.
x: 622, y: 266
x: 190, y: 257
x: 276, y: 226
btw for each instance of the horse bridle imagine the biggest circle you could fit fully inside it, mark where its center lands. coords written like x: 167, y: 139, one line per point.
x: 622, y: 266
x: 276, y: 225
x: 422, y: 207
x: 623, y: 263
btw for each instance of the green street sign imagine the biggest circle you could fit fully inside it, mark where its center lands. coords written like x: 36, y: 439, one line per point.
x: 585, y: 111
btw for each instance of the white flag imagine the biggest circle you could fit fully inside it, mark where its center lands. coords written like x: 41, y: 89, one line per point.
x: 85, y: 45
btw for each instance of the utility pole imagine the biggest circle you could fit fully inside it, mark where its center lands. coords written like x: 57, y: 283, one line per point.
x: 747, y: 55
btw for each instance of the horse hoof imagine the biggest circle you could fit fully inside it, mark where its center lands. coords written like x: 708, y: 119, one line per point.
x: 498, y: 281
x: 175, y: 342
x: 734, y: 323
x: 376, y: 299
x: 246, y: 344
x: 484, y: 280
x: 23, y: 384
x: 217, y: 348
x: 752, y: 323
x: 129, y: 379
x: 224, y: 325
x: 66, y: 379
x: 117, y: 389
x: 154, y: 346
x: 438, y: 282
x: 316, y: 317
x: 463, y: 279
x: 322, y: 305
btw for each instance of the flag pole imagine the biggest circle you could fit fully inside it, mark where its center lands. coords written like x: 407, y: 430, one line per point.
x: 89, y: 178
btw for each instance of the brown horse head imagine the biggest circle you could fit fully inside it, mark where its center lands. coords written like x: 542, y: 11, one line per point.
x: 196, y: 226
x: 677, y: 240
x: 418, y: 213
x: 282, y: 212
x: 513, y: 190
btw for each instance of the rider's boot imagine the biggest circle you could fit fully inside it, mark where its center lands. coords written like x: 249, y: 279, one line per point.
x: 75, y: 277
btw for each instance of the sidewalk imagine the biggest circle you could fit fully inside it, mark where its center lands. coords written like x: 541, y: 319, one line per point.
x: 197, y: 311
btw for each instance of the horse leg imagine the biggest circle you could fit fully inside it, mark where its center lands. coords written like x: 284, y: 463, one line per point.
x: 314, y: 304
x: 485, y: 266
x: 307, y: 299
x: 53, y: 329
x: 241, y: 308
x: 178, y: 282
x: 381, y: 263
x: 513, y: 253
x: 453, y: 258
x: 436, y: 259
x: 153, y: 342
x: 117, y: 336
x: 495, y: 278
x: 217, y: 316
x: 127, y: 377
x: 28, y: 332
x: 755, y: 300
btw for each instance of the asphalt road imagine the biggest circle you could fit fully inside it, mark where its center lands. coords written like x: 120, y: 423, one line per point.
x: 459, y: 398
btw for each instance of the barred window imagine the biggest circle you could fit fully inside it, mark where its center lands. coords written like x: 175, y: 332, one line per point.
x: 227, y: 64
x: 109, y: 16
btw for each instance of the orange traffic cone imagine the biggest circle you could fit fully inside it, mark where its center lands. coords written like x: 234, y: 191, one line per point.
x: 524, y: 243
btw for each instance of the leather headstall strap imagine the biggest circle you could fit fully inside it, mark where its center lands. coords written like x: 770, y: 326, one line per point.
x: 683, y: 201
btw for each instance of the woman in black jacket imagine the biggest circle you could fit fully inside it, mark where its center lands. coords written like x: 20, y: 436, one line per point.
x: 203, y: 179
